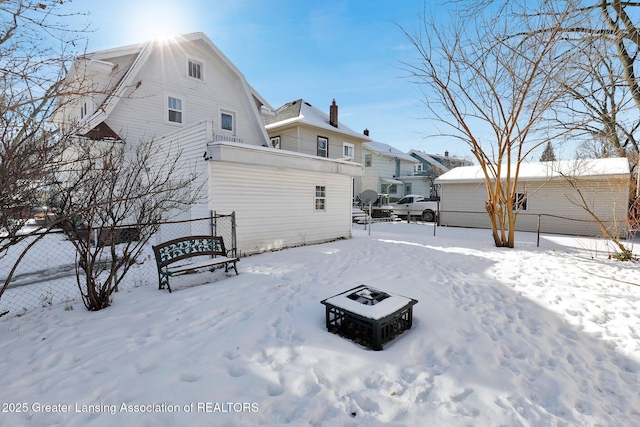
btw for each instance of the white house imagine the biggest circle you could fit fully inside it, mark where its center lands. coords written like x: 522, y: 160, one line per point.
x: 299, y: 126
x: 186, y: 95
x: 388, y: 170
x: 433, y: 165
x: 544, y: 192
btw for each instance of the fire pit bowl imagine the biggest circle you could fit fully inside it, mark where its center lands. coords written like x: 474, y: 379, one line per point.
x: 368, y: 316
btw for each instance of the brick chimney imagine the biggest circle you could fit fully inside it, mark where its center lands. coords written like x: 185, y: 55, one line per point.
x: 333, y: 114
x: 366, y: 132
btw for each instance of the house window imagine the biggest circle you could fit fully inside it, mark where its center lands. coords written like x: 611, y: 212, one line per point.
x: 407, y: 189
x: 348, y: 150
x: 520, y: 202
x: 175, y: 109
x: 275, y: 141
x: 83, y: 110
x: 195, y: 69
x: 226, y: 121
x: 393, y: 189
x: 367, y: 160
x: 323, y: 146
x: 417, y: 168
x: 384, y: 189
x: 321, y: 197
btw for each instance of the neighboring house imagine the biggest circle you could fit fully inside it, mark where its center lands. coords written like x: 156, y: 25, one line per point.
x: 188, y: 97
x: 298, y: 126
x: 388, y: 170
x: 433, y: 165
x: 543, y: 188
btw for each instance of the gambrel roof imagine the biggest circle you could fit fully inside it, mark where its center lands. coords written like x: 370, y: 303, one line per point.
x: 139, y: 54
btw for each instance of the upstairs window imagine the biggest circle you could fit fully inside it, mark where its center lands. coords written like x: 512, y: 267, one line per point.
x: 226, y: 121
x: 323, y: 146
x: 275, y: 142
x: 195, y: 69
x: 83, y: 110
x: 174, y: 109
x: 348, y: 150
x: 367, y: 160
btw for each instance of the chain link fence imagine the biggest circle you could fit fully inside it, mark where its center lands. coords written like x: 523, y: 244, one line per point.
x: 46, y: 275
x: 537, y: 230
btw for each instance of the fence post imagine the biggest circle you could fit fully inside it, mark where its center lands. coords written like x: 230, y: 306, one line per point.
x: 436, y: 220
x: 233, y: 234
x: 538, y: 242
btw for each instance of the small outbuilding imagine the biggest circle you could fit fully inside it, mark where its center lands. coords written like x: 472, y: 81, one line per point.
x: 547, y: 197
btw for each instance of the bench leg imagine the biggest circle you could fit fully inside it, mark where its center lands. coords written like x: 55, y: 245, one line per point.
x: 163, y: 280
x: 234, y: 267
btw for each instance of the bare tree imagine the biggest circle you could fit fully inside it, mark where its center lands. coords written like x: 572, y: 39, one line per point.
x: 115, y: 196
x: 613, y: 230
x: 493, y: 92
x: 34, y: 48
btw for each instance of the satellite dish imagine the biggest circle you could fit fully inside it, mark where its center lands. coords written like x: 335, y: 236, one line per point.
x: 368, y: 196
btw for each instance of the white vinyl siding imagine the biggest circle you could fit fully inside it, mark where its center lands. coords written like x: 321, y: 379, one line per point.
x: 608, y: 198
x: 143, y: 110
x: 264, y: 225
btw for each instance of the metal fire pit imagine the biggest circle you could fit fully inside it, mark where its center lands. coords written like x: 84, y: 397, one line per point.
x: 368, y: 316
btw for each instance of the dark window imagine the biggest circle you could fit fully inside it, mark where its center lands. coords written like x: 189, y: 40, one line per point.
x: 195, y: 69
x: 323, y: 146
x: 520, y: 202
x: 175, y: 109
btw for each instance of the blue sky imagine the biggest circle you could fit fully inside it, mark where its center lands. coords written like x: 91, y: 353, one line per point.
x: 290, y: 49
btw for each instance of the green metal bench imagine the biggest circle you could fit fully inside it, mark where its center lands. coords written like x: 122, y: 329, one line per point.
x: 183, y: 248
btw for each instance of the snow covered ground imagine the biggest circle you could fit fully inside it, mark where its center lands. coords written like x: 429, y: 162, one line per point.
x: 514, y: 337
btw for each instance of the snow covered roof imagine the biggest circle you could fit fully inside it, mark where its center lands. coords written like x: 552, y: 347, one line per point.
x: 142, y: 51
x: 388, y: 151
x: 444, y: 163
x: 547, y: 170
x: 300, y: 111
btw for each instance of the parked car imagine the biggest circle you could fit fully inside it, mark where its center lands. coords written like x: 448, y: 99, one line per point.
x: 416, y: 206
x: 380, y: 209
x: 39, y: 215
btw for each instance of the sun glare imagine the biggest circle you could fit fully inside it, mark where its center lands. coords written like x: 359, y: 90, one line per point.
x: 157, y: 20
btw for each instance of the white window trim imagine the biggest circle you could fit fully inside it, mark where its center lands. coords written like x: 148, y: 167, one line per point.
x: 316, y: 198
x: 278, y: 144
x: 521, y: 202
x: 166, y: 109
x: 318, y: 147
x: 84, y: 109
x: 353, y: 150
x: 234, y: 116
x: 202, y: 68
